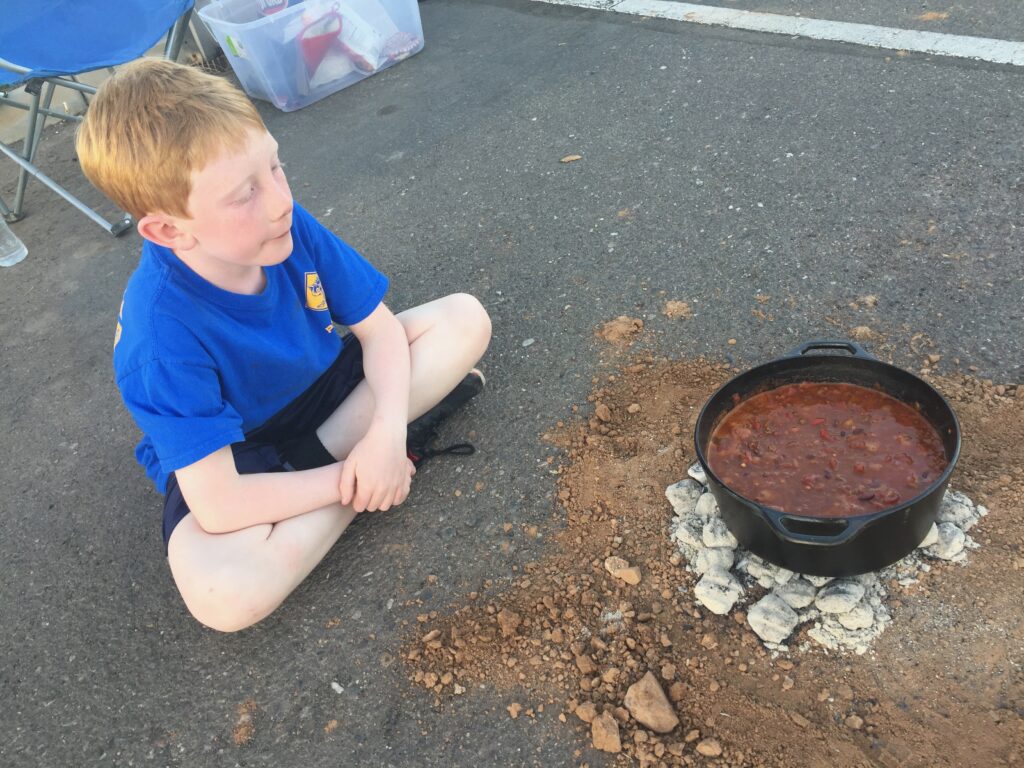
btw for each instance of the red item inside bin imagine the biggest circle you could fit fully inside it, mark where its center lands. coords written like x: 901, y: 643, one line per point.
x: 317, y: 37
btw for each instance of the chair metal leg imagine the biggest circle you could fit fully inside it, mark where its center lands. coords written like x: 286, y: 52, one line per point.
x: 9, y: 102
x: 176, y: 36
x: 81, y: 94
x: 28, y: 168
x: 30, y: 134
x: 41, y: 119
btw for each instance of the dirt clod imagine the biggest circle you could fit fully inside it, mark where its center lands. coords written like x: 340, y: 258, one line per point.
x: 244, y: 728
x: 862, y: 333
x: 676, y: 309
x: 604, y: 731
x: 508, y: 621
x: 622, y: 330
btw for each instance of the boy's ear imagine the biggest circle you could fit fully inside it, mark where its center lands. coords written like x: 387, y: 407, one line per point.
x: 163, y: 230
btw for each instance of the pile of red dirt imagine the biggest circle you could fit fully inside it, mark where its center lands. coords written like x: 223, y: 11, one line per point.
x: 942, y: 687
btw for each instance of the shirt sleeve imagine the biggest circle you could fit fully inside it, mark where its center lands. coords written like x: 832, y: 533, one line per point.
x: 180, y: 408
x: 352, y: 285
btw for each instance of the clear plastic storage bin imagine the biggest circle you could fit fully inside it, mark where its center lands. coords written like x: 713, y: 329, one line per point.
x: 294, y: 52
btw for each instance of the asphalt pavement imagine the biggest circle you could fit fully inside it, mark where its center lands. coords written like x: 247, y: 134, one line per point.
x: 716, y: 167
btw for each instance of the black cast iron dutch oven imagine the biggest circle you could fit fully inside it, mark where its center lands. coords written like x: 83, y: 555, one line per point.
x: 829, y: 546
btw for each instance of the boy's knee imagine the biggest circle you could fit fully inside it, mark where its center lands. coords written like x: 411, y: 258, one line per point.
x: 231, y: 615
x: 228, y: 606
x: 470, y: 313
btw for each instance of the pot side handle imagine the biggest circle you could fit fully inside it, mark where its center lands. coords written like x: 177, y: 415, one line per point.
x: 855, y: 349
x: 809, y: 530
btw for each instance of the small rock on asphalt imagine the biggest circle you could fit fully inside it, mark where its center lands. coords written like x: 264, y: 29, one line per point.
x: 621, y: 569
x: 613, y: 564
x: 647, y: 703
x: 629, y: 575
x: 604, y: 732
x: 709, y: 748
x: 799, y: 719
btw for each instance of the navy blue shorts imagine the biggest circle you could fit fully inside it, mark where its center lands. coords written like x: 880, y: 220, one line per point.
x: 261, y: 449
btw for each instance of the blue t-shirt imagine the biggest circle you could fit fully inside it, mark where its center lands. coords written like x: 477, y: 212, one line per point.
x: 198, y: 366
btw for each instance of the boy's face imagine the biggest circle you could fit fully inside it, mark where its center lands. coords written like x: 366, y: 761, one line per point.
x: 241, y: 209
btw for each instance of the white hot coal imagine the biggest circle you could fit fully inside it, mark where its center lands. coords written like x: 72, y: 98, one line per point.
x: 844, y: 614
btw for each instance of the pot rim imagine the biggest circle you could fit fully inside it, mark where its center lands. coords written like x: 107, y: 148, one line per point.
x: 861, y: 521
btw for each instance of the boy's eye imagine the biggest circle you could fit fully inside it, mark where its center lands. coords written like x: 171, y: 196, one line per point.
x: 248, y: 194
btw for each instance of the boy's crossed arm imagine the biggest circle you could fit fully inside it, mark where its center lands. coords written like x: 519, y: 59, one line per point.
x: 222, y: 501
x: 377, y: 471
x: 375, y: 476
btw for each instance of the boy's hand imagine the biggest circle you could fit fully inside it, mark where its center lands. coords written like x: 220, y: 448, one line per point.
x: 377, y: 473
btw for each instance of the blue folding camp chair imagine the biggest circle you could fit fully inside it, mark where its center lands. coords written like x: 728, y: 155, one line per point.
x: 46, y: 43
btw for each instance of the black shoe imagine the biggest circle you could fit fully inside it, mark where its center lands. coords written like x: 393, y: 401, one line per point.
x: 423, y: 431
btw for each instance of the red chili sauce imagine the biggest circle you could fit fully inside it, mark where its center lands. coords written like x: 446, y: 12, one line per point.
x: 825, y: 450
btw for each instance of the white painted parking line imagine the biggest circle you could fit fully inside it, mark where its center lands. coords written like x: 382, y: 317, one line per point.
x: 937, y: 43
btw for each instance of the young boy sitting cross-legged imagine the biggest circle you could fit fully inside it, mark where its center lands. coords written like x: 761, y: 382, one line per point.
x: 265, y: 428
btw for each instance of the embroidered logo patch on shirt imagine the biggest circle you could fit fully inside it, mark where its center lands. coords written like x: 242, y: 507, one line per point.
x: 117, y: 331
x: 315, y: 298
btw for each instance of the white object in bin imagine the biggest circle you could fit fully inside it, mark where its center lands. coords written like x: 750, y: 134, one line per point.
x: 12, y: 250
x: 268, y: 7
x: 308, y: 49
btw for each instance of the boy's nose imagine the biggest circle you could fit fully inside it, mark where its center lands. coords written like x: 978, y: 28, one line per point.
x: 283, y: 210
x: 279, y: 202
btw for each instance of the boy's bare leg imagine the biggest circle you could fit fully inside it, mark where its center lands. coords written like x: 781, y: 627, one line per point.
x: 230, y: 581
x: 446, y: 339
